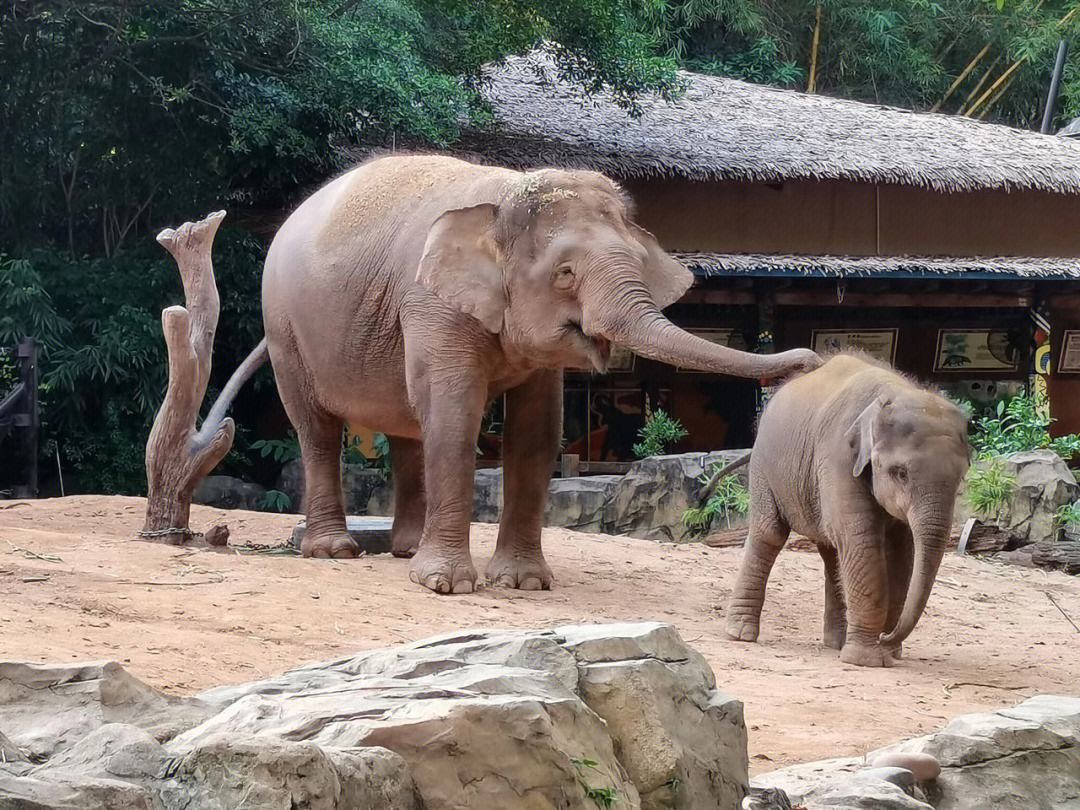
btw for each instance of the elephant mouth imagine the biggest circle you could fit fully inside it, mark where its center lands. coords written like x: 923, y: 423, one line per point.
x: 596, y: 348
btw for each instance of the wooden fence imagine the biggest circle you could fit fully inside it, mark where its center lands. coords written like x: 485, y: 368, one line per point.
x: 20, y: 421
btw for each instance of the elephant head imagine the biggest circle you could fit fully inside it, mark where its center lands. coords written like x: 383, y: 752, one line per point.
x: 554, y: 264
x: 914, y: 444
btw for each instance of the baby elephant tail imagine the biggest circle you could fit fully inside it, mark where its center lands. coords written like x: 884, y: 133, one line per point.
x: 709, y: 487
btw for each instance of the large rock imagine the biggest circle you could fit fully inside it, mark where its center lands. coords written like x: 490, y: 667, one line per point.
x: 45, y: 708
x: 579, y: 503
x: 1022, y: 758
x: 1044, y: 484
x: 651, y: 498
x: 226, y: 492
x: 62, y: 792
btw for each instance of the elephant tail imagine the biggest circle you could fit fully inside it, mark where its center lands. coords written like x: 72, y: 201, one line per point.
x: 707, y: 490
x: 252, y: 363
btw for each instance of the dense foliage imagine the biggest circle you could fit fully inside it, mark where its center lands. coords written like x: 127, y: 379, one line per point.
x: 659, y: 432
x: 729, y: 499
x: 1017, y: 424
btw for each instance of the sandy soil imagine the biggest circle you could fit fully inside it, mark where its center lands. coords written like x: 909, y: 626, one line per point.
x: 185, y: 620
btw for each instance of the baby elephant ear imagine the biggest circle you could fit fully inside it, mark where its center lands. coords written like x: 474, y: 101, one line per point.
x: 860, y: 437
x: 459, y: 264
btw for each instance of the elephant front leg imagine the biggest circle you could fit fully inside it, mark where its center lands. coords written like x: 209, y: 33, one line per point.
x: 864, y: 571
x: 767, y: 535
x: 530, y: 443
x: 834, y: 629
x: 410, y: 503
x: 450, y: 418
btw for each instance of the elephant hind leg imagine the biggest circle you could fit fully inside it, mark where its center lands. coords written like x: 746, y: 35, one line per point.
x: 767, y: 535
x: 410, y: 503
x: 320, y: 448
x: 834, y: 631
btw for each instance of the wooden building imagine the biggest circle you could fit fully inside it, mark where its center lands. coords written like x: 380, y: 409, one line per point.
x: 948, y: 246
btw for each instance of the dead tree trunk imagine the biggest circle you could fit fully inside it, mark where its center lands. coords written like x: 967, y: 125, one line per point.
x: 177, y: 456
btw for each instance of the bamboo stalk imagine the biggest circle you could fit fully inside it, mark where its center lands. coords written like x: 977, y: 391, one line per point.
x: 997, y: 97
x: 1004, y: 77
x: 811, y: 83
x: 963, y: 75
x: 978, y: 87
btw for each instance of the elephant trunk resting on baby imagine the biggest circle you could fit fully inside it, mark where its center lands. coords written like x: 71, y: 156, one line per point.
x: 866, y: 464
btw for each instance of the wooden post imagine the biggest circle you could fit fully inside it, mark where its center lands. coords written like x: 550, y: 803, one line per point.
x: 26, y: 415
x: 571, y: 465
x: 178, y: 457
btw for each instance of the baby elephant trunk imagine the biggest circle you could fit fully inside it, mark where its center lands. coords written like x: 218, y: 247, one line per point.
x: 930, y: 531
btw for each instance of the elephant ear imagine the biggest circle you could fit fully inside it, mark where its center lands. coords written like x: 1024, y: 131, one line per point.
x: 667, y: 279
x: 460, y: 264
x: 860, y: 436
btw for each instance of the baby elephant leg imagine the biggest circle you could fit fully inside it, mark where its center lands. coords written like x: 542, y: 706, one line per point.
x: 767, y: 535
x: 834, y: 630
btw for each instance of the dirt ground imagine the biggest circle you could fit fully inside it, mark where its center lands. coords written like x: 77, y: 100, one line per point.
x: 185, y: 620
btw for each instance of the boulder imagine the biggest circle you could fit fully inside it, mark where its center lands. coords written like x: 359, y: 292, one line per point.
x: 1023, y: 757
x: 1018, y: 758
x: 564, y: 717
x: 45, y: 709
x: 1044, y: 484
x: 579, y: 502
x: 227, y: 492
x: 649, y: 501
x: 113, y: 751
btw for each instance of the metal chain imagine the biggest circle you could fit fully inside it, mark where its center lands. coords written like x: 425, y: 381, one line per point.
x: 172, y: 530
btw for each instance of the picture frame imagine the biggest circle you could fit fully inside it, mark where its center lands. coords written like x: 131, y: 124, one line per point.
x: 967, y: 350
x: 1069, y: 358
x: 621, y: 360
x: 878, y: 343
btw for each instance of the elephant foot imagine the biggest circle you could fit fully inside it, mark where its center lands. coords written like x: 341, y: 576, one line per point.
x: 867, y: 655
x: 405, y: 542
x: 331, y: 544
x: 834, y: 638
x: 524, y: 571
x: 442, y: 570
x: 742, y: 628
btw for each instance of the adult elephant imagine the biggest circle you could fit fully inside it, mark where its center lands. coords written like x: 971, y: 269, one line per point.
x: 408, y: 293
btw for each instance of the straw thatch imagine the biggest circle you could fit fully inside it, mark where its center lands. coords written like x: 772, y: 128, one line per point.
x: 723, y: 128
x: 708, y: 265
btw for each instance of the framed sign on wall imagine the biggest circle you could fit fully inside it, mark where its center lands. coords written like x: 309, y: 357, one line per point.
x: 878, y: 343
x: 975, y: 350
x: 1069, y: 360
x: 621, y: 360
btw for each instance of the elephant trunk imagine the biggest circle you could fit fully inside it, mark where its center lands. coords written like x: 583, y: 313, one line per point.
x: 640, y: 327
x: 929, y: 529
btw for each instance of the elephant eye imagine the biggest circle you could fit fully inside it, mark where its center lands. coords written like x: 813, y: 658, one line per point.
x: 899, y: 473
x: 564, y: 276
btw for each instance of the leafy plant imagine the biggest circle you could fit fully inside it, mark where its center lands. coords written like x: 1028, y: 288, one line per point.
x: 603, y: 797
x: 659, y: 431
x: 729, y: 498
x: 989, y: 487
x: 274, y: 500
x: 281, y: 450
x: 1020, y: 423
x: 1069, y: 515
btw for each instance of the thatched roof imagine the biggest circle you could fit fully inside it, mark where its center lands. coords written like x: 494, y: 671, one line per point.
x: 723, y: 128
x: 709, y: 265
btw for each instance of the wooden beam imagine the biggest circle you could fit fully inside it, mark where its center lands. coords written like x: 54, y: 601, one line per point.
x: 822, y: 298
x: 733, y: 297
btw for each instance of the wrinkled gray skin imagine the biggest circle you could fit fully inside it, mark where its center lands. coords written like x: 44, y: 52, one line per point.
x: 408, y: 293
x: 866, y: 464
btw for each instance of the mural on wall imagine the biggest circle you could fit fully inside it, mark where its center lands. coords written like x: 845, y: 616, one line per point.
x: 878, y: 343
x: 960, y: 350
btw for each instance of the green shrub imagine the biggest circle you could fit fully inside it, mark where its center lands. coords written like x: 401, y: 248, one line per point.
x: 1017, y: 424
x: 989, y: 487
x: 729, y: 498
x: 1069, y: 515
x: 659, y: 431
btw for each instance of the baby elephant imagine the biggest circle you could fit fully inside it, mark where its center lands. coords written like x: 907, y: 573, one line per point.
x: 865, y: 463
